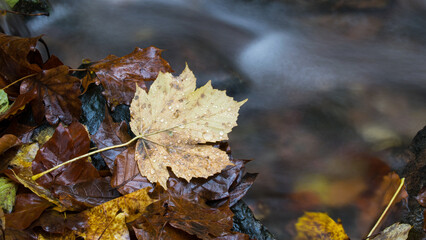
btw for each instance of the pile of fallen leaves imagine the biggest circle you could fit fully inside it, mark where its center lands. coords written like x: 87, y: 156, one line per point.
x: 167, y: 176
x: 122, y: 149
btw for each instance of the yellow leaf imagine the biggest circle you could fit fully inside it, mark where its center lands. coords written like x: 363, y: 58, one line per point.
x: 173, y: 119
x: 319, y: 226
x: 108, y: 221
x: 397, y: 231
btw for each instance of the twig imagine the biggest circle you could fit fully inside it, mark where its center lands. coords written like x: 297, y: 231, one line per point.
x: 25, y: 14
x: 386, y: 209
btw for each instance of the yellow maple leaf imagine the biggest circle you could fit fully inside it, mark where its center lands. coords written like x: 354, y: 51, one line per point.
x: 319, y: 226
x: 108, y: 220
x: 174, y: 119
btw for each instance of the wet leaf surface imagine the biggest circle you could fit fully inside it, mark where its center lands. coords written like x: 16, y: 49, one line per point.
x: 65, y: 144
x: 194, y: 218
x: 109, y: 134
x: 28, y: 208
x: 173, y: 127
x: 120, y: 75
x: 126, y: 177
x: 14, y: 64
x: 56, y: 93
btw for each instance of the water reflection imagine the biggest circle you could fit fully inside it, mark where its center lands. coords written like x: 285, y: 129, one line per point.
x: 329, y: 87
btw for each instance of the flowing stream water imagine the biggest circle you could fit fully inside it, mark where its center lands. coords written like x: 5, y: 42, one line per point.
x: 331, y: 88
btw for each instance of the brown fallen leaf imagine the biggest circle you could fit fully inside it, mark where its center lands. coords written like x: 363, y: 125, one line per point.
x: 84, y: 195
x: 193, y: 218
x: 319, y: 226
x: 397, y: 231
x: 8, y: 141
x: 126, y: 177
x: 65, y: 144
x: 19, y: 104
x: 28, y: 208
x: 14, y: 63
x: 120, y: 75
x: 110, y: 134
x: 173, y: 119
x: 56, y: 95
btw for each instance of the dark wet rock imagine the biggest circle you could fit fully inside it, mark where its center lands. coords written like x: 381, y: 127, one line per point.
x: 245, y: 222
x: 415, y: 174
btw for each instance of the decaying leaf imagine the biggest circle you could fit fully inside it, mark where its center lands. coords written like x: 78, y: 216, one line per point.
x: 7, y: 141
x: 84, y: 195
x: 319, y: 226
x: 19, y: 104
x: 193, y: 218
x: 7, y: 194
x: 174, y: 119
x: 110, y: 134
x: 126, y: 177
x: 120, y: 75
x: 65, y: 144
x: 109, y: 219
x: 56, y: 95
x: 14, y: 63
x: 27, y: 209
x: 397, y: 231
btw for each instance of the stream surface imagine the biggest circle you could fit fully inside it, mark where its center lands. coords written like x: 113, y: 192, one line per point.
x: 331, y: 89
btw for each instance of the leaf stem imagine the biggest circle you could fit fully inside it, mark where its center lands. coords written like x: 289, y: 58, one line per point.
x: 386, y: 209
x: 21, y: 79
x: 37, y: 176
x: 77, y: 69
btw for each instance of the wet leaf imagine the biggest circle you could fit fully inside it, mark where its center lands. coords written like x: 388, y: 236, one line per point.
x: 120, y: 75
x: 27, y: 209
x: 194, y: 218
x: 109, y: 219
x: 65, y: 144
x: 85, y: 195
x: 55, y: 222
x: 229, y: 184
x: 173, y: 119
x: 109, y: 134
x: 7, y: 194
x: 19, y: 104
x: 4, y: 101
x: 14, y: 63
x: 126, y: 177
x: 56, y: 95
x: 8, y: 141
x: 398, y: 231
x: 319, y: 226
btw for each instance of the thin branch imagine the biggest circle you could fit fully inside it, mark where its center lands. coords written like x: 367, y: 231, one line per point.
x: 37, y: 176
x: 21, y: 79
x: 387, y: 209
x: 25, y: 14
x: 77, y: 69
